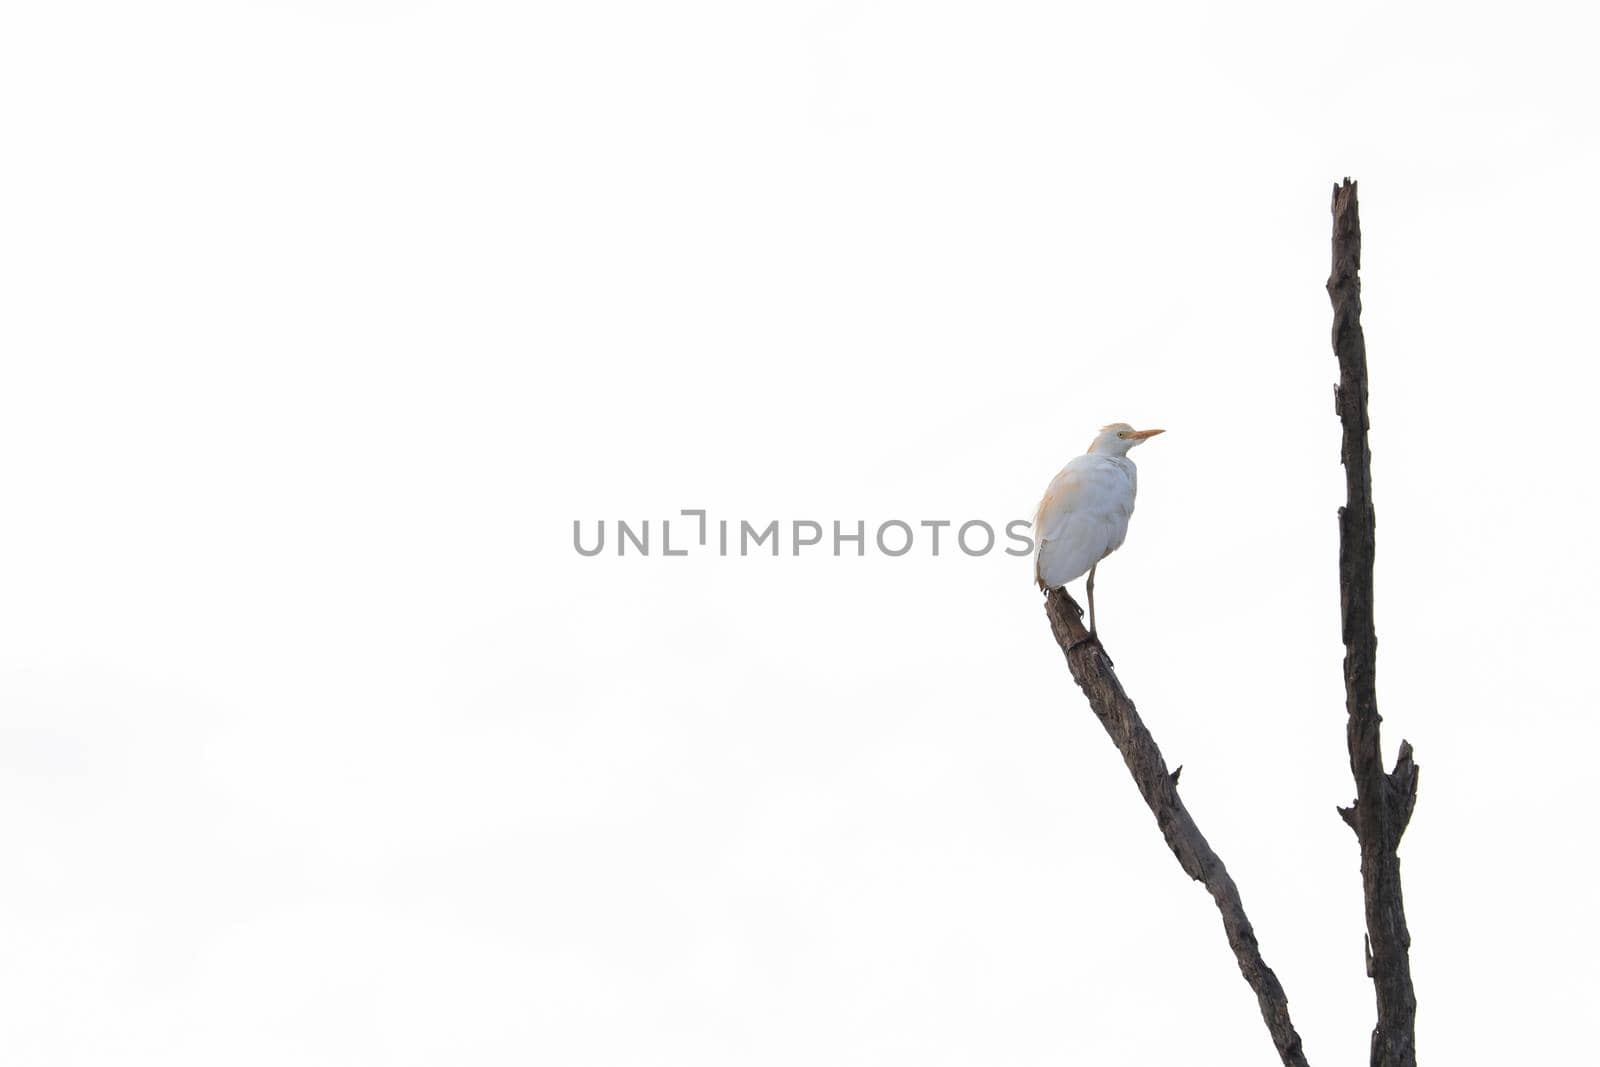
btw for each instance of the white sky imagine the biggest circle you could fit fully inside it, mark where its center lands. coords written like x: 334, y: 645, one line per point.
x: 323, y: 321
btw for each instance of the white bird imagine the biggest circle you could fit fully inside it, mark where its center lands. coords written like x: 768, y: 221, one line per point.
x: 1083, y: 517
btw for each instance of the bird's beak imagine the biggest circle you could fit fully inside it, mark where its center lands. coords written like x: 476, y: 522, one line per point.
x: 1143, y: 435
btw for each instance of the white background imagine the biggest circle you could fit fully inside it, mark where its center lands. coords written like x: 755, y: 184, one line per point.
x: 323, y: 321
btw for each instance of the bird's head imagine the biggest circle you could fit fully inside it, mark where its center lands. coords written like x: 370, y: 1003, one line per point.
x: 1116, y: 439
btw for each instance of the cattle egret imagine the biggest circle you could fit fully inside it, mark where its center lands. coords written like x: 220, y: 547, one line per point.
x: 1083, y: 517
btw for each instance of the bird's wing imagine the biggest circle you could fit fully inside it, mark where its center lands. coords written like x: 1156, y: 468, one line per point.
x: 1065, y: 487
x: 1079, y: 519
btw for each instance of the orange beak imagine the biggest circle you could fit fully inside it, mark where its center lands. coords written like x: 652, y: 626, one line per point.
x: 1142, y: 435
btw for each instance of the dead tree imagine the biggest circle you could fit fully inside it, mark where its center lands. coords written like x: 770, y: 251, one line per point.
x: 1091, y: 669
x: 1383, y: 800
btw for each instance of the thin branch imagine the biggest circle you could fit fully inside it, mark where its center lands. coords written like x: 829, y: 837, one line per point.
x: 1091, y: 669
x: 1384, y: 801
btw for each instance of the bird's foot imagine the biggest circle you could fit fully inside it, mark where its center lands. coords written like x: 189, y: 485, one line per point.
x: 1093, y: 639
x: 1073, y: 604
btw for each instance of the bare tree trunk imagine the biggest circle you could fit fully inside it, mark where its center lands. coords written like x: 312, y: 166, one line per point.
x: 1383, y: 800
x: 1091, y: 669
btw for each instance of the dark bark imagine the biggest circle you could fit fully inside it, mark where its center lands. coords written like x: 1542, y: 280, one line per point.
x: 1384, y: 801
x: 1091, y: 669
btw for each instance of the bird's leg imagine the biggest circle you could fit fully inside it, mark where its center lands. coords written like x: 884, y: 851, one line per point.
x: 1094, y: 635
x: 1092, y: 631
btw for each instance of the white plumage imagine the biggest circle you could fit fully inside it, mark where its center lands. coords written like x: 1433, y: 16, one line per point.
x: 1084, y: 515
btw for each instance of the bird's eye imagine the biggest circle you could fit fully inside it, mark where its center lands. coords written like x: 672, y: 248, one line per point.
x: 1122, y: 434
